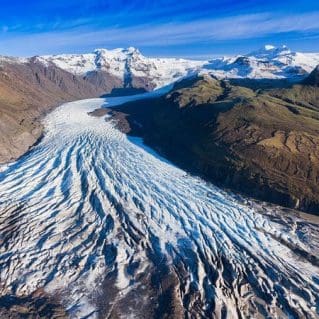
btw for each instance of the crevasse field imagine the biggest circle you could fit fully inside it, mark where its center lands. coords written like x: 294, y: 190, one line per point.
x: 110, y: 227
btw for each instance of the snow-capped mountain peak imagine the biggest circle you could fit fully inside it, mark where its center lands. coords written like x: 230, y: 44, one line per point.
x: 119, y: 52
x: 132, y: 50
x: 125, y: 62
x: 269, y: 62
x: 270, y: 51
x: 134, y: 69
x: 268, y: 47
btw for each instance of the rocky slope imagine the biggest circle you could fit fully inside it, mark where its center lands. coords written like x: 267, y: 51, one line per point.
x: 29, y: 90
x: 313, y: 78
x: 264, y: 143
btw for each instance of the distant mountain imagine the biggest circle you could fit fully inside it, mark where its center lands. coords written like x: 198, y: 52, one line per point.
x: 129, y: 65
x: 133, y: 70
x: 136, y: 70
x: 269, y: 62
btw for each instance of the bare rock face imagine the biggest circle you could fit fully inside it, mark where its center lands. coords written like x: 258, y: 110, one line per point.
x: 313, y: 78
x: 36, y: 305
x: 103, y: 80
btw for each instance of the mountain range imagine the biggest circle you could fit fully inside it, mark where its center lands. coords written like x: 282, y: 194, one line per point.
x: 269, y: 62
x: 134, y: 69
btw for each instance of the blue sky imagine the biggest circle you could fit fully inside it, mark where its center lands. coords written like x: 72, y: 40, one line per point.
x: 188, y: 28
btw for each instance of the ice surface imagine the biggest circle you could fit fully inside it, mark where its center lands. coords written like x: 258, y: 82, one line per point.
x: 88, y: 203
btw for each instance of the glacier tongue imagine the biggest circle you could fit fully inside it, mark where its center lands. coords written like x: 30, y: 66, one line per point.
x: 115, y: 231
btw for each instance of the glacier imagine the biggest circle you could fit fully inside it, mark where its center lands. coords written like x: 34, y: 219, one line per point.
x: 115, y: 230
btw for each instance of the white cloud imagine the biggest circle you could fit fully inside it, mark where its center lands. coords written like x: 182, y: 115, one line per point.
x: 236, y: 27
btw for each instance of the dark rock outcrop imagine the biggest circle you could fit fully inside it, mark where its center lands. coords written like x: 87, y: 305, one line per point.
x: 103, y: 81
x: 313, y: 78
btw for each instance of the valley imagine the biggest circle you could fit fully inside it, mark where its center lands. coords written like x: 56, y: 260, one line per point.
x: 108, y: 228
x: 127, y: 186
x: 31, y: 87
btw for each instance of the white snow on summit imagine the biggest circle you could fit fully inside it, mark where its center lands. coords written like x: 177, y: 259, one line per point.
x: 269, y: 62
x: 119, y: 62
x: 10, y: 59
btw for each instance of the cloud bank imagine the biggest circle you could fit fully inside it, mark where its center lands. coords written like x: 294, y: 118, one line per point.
x: 237, y: 27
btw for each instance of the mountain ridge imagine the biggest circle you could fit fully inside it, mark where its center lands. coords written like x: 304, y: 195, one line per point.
x: 28, y: 91
x: 268, y: 62
x: 262, y: 143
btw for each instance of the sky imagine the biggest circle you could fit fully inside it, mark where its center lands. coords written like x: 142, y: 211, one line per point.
x: 182, y: 28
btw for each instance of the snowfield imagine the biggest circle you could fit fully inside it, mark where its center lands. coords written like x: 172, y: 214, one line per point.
x: 268, y: 62
x: 120, y: 62
x: 100, y: 220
